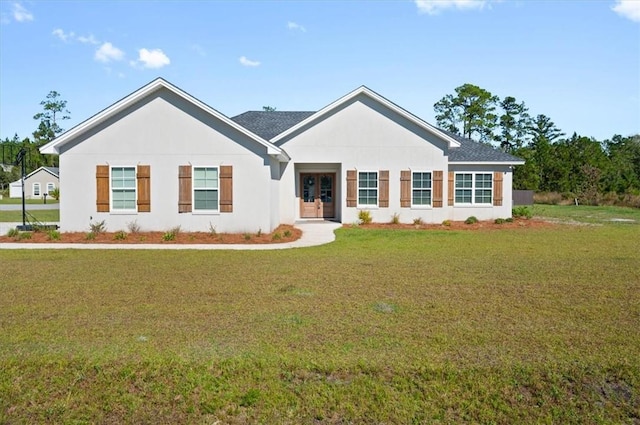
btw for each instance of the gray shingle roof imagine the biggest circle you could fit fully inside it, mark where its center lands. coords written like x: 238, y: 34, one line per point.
x: 268, y: 124
x: 472, y: 151
x: 53, y: 170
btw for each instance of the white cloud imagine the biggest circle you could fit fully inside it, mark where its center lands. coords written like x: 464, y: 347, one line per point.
x: 294, y: 26
x: 433, y: 7
x: 629, y: 9
x: 108, y: 52
x: 21, y: 14
x: 153, y: 58
x: 58, y: 32
x: 247, y: 62
x: 88, y: 40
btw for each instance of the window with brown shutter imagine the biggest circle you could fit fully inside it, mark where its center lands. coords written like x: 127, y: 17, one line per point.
x: 451, y: 188
x: 184, y: 188
x: 383, y: 184
x: 437, y: 189
x: 143, y: 176
x: 497, y: 188
x: 405, y: 188
x: 226, y: 188
x: 102, y: 188
x: 352, y: 188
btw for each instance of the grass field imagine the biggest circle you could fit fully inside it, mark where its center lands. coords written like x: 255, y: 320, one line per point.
x: 588, y: 214
x: 39, y: 215
x: 16, y: 201
x: 507, y: 326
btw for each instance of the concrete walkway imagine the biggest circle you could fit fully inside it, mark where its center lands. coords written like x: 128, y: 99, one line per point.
x: 313, y: 233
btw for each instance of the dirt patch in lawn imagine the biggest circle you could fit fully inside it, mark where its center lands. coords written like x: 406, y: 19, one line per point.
x: 284, y: 233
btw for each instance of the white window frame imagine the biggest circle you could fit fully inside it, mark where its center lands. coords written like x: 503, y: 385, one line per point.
x: 430, y: 189
x: 194, y: 189
x: 377, y: 189
x: 473, y: 188
x: 33, y: 189
x: 50, y: 187
x: 114, y: 210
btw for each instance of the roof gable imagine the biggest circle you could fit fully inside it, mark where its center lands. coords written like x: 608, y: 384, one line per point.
x: 53, y: 147
x: 362, y: 90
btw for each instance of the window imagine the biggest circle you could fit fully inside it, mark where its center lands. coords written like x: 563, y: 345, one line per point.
x: 473, y: 188
x: 205, y: 188
x: 421, y: 189
x: 50, y: 187
x: 368, y: 188
x: 123, y: 188
x: 36, y: 189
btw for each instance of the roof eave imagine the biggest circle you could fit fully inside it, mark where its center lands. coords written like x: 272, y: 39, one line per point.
x: 53, y: 147
x: 378, y: 98
x: 487, y: 162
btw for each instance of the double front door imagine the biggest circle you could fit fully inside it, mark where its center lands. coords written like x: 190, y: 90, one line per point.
x: 317, y: 195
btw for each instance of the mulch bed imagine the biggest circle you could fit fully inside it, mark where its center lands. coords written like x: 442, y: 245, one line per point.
x: 284, y: 233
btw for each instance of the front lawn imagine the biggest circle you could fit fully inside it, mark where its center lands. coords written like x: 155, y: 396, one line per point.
x: 531, y: 325
x: 42, y: 216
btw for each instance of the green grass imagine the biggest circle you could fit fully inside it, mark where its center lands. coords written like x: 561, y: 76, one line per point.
x: 14, y: 201
x: 39, y: 215
x: 588, y: 214
x: 401, y: 326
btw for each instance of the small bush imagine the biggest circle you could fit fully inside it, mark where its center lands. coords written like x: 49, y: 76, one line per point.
x: 276, y: 236
x: 471, y: 220
x: 395, y: 219
x: 499, y: 221
x: 120, y: 235
x: 247, y: 236
x: 133, y: 227
x: 13, y: 232
x: 53, y: 235
x: 97, y: 227
x: 417, y: 221
x: 522, y: 212
x: 287, y: 233
x: 509, y: 220
x: 24, y: 235
x: 171, y: 234
x: 55, y: 193
x: 364, y: 216
x: 446, y: 223
x: 212, y: 230
x: 259, y: 233
x: 90, y: 236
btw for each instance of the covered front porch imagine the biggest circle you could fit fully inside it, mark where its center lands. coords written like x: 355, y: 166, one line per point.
x: 318, y: 191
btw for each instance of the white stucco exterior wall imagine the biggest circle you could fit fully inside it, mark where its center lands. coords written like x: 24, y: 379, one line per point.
x: 165, y: 132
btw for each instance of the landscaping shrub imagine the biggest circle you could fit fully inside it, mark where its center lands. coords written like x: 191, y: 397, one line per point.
x: 90, y: 236
x: 13, y: 232
x: 53, y: 235
x: 499, y: 221
x: 97, y: 227
x: 417, y: 221
x: 471, y: 220
x: 171, y: 234
x: 133, y: 227
x: 446, y: 223
x: 395, y: 218
x: 522, y: 212
x: 120, y: 235
x: 364, y: 217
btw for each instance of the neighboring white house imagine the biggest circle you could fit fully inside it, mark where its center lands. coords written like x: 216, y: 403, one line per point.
x: 162, y: 158
x: 37, y: 183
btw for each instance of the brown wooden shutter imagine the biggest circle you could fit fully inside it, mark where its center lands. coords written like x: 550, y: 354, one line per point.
x: 352, y: 188
x: 144, y: 188
x: 184, y: 188
x: 405, y: 188
x: 497, y: 189
x: 437, y: 189
x: 451, y: 188
x: 383, y: 187
x: 102, y: 188
x: 226, y: 188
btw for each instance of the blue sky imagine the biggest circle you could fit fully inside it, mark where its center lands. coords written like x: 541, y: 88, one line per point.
x: 577, y: 62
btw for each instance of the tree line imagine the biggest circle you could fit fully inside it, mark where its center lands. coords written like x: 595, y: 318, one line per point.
x: 54, y: 110
x: 577, y: 166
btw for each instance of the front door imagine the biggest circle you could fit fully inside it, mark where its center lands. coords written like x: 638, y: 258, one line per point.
x: 317, y: 194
